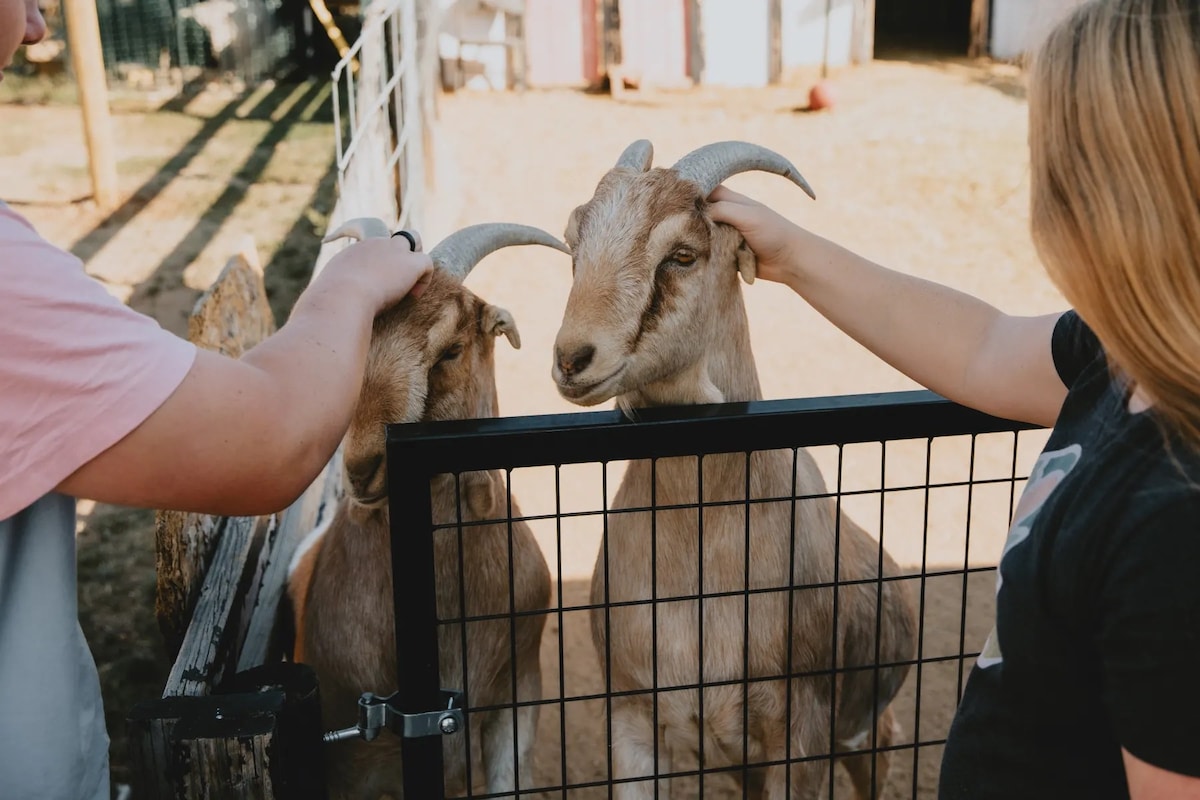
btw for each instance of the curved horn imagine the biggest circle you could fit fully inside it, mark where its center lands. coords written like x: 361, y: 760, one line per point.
x: 712, y: 164
x: 459, y: 252
x: 637, y: 156
x: 359, y: 228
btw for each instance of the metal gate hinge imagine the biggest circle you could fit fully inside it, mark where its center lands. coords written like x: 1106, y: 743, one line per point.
x: 376, y: 713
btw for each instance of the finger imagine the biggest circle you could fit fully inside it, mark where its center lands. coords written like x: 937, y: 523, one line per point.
x: 724, y: 193
x: 410, y: 238
x: 419, y: 287
x: 730, y: 213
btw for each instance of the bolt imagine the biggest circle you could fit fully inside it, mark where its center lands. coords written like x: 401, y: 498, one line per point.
x: 448, y: 724
x: 219, y: 714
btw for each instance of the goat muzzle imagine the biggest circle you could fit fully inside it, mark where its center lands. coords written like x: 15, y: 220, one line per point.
x: 366, y: 480
x: 576, y: 361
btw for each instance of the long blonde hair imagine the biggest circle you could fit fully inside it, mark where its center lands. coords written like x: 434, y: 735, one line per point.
x: 1114, y: 113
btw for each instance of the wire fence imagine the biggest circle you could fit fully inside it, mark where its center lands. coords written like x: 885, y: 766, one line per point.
x: 619, y: 686
x: 162, y: 44
x: 379, y: 125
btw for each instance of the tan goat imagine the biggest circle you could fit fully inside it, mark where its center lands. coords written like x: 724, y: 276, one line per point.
x: 655, y: 317
x: 430, y: 358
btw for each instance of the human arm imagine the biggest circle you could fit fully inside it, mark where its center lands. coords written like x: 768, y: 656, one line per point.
x: 1148, y: 782
x: 1147, y: 604
x: 946, y: 340
x: 246, y: 436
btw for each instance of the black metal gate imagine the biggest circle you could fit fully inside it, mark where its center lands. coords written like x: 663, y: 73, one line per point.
x: 912, y: 451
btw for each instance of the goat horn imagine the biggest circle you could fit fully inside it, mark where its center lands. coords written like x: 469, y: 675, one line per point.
x: 712, y: 164
x: 637, y: 156
x: 359, y: 228
x: 459, y: 252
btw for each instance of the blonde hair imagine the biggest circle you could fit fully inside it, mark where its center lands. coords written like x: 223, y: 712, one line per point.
x: 1114, y: 114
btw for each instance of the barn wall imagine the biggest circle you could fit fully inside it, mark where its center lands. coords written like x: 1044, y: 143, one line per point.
x: 486, y: 66
x: 561, y: 42
x: 803, y: 32
x: 737, y: 34
x: 1018, y: 25
x: 736, y: 38
x: 654, y: 42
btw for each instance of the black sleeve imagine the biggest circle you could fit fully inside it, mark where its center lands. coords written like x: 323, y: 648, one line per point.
x: 1074, y: 347
x: 1149, y: 639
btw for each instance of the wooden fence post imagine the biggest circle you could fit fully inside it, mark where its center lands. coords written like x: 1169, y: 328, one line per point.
x: 235, y: 720
x: 981, y: 11
x: 87, y: 59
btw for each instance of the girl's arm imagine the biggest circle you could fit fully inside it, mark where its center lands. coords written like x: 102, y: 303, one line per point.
x: 953, y: 343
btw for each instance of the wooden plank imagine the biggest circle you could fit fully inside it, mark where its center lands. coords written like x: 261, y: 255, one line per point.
x: 981, y: 13
x: 332, y: 30
x: 694, y: 33
x: 87, y: 61
x: 208, y: 645
x: 862, y: 44
x: 231, y: 317
x: 148, y: 742
x: 610, y: 33
x: 208, y: 746
x: 261, y: 739
x: 775, y: 35
x: 262, y: 640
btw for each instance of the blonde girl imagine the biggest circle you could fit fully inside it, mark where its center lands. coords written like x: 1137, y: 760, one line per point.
x: 1089, y: 686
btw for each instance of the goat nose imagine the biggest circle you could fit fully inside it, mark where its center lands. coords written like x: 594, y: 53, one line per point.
x: 576, y: 361
x: 362, y: 474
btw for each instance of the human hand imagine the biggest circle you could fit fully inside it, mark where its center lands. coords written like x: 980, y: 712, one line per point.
x: 386, y: 270
x: 772, y: 238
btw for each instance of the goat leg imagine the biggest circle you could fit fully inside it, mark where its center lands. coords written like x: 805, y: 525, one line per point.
x: 810, y: 737
x: 859, y: 766
x: 507, y: 742
x: 633, y: 749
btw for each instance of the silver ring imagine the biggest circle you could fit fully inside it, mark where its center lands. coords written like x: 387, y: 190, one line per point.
x: 411, y: 237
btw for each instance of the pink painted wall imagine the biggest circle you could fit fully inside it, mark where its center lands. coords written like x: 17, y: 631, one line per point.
x: 654, y: 41
x: 561, y: 42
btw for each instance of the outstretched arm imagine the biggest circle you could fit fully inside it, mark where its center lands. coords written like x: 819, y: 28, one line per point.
x: 953, y: 343
x: 242, y: 437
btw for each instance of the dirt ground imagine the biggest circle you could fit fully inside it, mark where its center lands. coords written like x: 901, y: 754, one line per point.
x: 922, y: 166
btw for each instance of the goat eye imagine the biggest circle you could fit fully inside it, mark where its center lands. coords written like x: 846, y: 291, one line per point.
x: 681, y: 258
x: 450, y: 353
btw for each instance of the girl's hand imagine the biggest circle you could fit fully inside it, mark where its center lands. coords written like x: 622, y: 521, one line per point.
x: 772, y: 238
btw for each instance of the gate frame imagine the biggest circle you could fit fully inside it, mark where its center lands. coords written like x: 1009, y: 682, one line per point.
x: 418, y: 452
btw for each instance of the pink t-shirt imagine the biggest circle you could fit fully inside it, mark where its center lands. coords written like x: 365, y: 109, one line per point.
x: 79, y: 370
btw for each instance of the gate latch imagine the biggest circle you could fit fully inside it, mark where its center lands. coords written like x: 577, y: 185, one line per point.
x: 376, y: 713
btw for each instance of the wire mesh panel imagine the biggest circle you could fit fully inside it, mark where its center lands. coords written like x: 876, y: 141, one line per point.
x: 243, y: 38
x: 378, y: 126
x: 781, y: 597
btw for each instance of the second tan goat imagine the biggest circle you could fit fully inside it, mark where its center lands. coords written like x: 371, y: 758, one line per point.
x: 431, y: 358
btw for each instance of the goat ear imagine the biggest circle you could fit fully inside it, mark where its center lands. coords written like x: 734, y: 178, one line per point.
x: 747, y: 262
x: 497, y: 320
x: 571, y: 234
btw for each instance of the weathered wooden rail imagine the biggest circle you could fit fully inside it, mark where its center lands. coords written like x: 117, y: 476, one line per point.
x: 235, y: 719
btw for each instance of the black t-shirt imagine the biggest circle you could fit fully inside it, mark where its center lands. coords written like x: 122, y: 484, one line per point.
x: 1097, y: 638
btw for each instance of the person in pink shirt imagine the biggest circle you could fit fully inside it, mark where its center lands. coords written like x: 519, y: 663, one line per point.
x: 98, y: 401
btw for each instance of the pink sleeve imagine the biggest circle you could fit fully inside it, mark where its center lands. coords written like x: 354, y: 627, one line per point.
x: 78, y: 369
